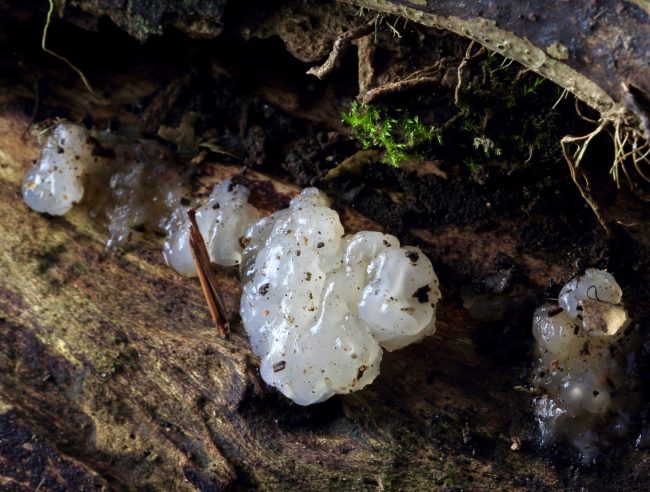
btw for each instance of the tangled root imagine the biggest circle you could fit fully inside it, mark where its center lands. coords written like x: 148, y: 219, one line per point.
x: 630, y: 163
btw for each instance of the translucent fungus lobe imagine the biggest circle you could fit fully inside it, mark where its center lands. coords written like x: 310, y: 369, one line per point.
x: 318, y: 305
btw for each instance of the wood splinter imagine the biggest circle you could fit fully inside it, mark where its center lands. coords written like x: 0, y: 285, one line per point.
x: 207, y: 278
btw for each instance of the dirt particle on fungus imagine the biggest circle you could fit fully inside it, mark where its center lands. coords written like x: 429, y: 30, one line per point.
x: 308, y: 276
x: 243, y: 241
x: 320, y: 245
x: 264, y: 289
x: 279, y: 366
x: 422, y: 294
x: 413, y: 256
x: 361, y: 370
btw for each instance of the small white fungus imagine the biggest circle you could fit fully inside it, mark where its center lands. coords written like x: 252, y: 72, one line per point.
x: 582, y: 351
x: 56, y: 182
x: 318, y: 305
x: 133, y: 186
x: 222, y: 221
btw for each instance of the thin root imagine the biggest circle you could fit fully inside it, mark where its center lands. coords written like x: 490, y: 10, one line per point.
x: 394, y: 87
x: 468, y: 57
x: 60, y: 57
x: 341, y: 45
x: 579, y: 176
x: 630, y: 145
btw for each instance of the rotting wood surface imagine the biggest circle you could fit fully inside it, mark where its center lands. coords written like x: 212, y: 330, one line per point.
x: 112, y: 374
x: 113, y: 364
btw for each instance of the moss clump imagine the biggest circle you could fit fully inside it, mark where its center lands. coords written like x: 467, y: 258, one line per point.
x: 399, y: 136
x: 509, y: 116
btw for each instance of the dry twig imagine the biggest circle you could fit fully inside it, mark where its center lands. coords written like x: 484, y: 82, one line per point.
x: 207, y: 278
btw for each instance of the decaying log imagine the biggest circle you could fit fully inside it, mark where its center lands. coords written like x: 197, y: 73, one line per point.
x: 112, y: 374
x: 113, y: 361
x: 595, y: 50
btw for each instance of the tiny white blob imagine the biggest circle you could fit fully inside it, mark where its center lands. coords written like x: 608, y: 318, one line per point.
x: 222, y: 221
x: 56, y: 182
x: 583, y: 355
x: 318, y: 305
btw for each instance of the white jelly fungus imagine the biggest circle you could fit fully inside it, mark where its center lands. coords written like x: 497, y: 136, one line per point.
x: 222, y: 221
x: 318, y: 305
x: 132, y: 186
x: 584, y: 351
x: 56, y: 182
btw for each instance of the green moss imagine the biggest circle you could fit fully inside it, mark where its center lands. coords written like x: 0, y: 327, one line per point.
x: 509, y: 116
x: 488, y: 146
x: 399, y: 136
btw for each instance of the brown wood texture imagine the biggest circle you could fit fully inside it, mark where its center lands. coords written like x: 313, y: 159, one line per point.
x: 113, y: 362
x: 112, y: 374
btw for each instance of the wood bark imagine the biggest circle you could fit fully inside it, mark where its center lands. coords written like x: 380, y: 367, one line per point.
x: 113, y: 363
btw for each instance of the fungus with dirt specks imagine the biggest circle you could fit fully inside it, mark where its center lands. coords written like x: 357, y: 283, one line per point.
x: 56, y: 182
x: 318, y: 305
x: 222, y: 221
x: 585, y: 364
x: 134, y: 188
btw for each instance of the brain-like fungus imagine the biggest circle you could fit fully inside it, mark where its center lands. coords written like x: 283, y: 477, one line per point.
x: 318, y: 305
x: 584, y: 364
